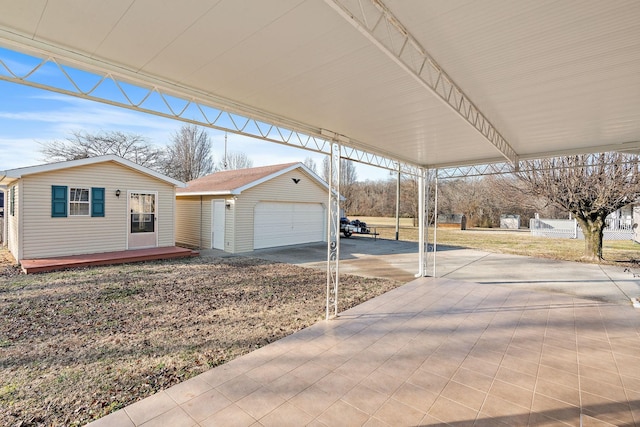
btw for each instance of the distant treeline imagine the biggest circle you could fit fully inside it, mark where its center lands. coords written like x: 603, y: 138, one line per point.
x: 481, y: 200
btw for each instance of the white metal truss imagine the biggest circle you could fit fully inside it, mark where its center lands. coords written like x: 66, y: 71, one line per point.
x: 477, y: 170
x: 523, y: 165
x: 376, y: 22
x: 117, y: 88
x: 333, y: 234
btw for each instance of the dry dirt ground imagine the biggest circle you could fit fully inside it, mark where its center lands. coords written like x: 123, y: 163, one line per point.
x: 76, y: 345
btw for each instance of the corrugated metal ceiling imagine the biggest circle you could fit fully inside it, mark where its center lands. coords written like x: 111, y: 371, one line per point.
x: 551, y: 76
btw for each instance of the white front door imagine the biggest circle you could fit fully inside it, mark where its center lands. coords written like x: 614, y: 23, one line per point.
x: 143, y: 220
x: 217, y: 224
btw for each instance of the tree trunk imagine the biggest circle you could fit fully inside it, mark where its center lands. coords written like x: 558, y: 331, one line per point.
x: 593, y: 230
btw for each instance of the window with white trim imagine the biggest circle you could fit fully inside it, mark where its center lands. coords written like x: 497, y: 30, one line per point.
x: 79, y: 203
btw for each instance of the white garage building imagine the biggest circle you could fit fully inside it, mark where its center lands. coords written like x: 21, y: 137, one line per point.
x: 246, y: 209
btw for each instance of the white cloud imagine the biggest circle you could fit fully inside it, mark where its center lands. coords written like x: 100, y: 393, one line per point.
x: 18, y: 152
x: 44, y: 123
x: 91, y: 114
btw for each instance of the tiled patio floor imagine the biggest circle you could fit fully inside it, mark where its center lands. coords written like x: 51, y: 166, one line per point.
x: 433, y: 352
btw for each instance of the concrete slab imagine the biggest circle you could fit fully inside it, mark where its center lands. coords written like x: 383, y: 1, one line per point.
x: 592, y: 281
x: 364, y: 256
x: 398, y: 260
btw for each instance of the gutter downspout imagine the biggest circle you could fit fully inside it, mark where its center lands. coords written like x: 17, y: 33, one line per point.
x: 200, y: 233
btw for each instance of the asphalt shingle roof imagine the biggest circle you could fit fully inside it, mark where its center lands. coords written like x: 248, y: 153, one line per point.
x: 227, y: 181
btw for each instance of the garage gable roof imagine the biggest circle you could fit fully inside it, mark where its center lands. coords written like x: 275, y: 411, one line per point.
x: 11, y: 175
x: 234, y: 182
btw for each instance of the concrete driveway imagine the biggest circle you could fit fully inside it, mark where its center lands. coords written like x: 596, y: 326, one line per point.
x: 398, y: 260
x: 364, y: 256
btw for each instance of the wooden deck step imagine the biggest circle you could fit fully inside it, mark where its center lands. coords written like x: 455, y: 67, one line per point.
x: 41, y: 265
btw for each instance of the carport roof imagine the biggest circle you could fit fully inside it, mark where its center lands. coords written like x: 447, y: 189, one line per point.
x: 429, y: 83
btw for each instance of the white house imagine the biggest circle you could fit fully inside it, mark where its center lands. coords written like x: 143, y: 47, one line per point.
x: 94, y: 205
x: 246, y: 209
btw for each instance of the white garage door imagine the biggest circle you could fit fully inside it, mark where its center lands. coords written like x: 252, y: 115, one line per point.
x: 281, y: 224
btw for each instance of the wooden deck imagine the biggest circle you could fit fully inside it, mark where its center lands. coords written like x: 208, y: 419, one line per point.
x: 42, y: 265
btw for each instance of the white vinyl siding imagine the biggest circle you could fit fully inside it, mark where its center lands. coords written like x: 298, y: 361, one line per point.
x: 44, y: 236
x: 194, y: 228
x: 193, y: 221
x: 188, y: 221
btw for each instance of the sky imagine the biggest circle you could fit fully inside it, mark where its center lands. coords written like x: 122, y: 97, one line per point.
x: 30, y: 117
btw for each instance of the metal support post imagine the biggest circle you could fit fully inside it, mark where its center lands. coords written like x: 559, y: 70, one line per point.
x: 333, y: 232
x: 398, y: 202
x: 426, y: 188
x: 435, y: 223
x: 422, y: 230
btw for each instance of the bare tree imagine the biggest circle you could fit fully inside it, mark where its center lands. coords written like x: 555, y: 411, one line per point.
x: 483, y: 199
x: 374, y: 198
x: 588, y: 186
x: 348, y: 179
x: 311, y: 164
x: 509, y: 195
x: 348, y: 172
x: 409, y: 194
x: 189, y: 155
x: 234, y: 160
x: 474, y: 197
x: 82, y: 145
x: 409, y: 190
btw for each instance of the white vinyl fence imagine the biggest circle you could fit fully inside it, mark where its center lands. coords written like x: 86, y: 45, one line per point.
x: 615, y: 229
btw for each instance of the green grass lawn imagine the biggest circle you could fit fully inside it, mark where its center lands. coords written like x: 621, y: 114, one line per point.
x: 517, y: 242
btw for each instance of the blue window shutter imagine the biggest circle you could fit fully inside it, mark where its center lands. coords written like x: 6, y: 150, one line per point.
x: 97, y: 201
x: 59, y: 201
